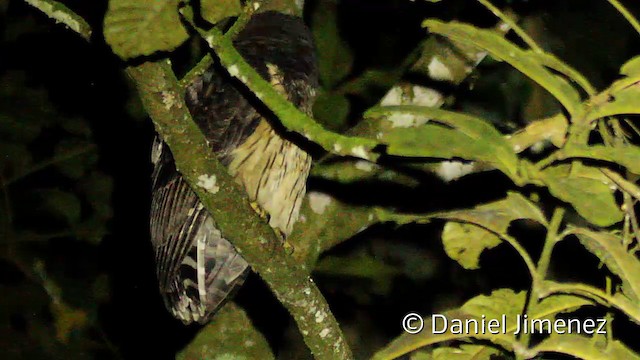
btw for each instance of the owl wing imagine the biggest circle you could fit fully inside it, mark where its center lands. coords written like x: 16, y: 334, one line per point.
x: 197, y: 268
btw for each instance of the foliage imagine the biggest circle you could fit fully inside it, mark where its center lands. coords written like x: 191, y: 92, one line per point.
x: 580, y: 187
x: 54, y: 198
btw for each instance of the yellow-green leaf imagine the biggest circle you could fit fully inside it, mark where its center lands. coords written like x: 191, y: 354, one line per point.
x: 611, y: 251
x: 631, y: 67
x: 139, y: 27
x: 502, y: 49
x: 622, y: 100
x: 501, y: 302
x: 582, y: 347
x: 558, y: 65
x: 447, y: 135
x: 230, y: 335
x: 465, y: 352
x: 465, y: 242
x: 408, y: 343
x: 215, y: 10
x: 587, y: 190
x: 494, y: 217
x: 625, y: 155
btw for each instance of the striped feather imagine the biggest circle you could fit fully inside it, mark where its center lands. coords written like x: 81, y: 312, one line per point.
x: 198, y: 270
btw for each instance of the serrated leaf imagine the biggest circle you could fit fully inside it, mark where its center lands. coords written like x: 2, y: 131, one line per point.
x: 407, y: 343
x: 583, y: 347
x: 480, y: 224
x: 215, y: 10
x: 625, y: 155
x: 500, y: 302
x: 139, y: 27
x: 587, y: 190
x: 456, y: 240
x: 459, y: 136
x: 503, y: 304
x: 496, y: 217
x: 502, y: 49
x: 611, y: 251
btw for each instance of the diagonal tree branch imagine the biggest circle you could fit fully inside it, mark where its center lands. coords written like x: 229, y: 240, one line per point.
x: 228, y: 204
x: 163, y: 100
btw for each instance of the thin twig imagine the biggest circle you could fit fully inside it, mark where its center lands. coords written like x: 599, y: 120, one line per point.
x: 63, y: 15
x: 513, y: 25
x: 50, y: 162
x: 627, y: 15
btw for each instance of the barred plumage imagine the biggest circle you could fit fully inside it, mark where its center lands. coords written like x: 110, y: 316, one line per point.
x: 197, y: 268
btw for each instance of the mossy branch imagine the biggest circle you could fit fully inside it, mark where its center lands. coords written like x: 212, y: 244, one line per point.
x: 63, y: 15
x: 292, y: 118
x: 255, y: 240
x: 162, y: 98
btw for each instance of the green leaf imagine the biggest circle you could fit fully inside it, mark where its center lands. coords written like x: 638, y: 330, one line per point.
x: 588, y: 190
x: 408, y: 343
x: 332, y: 111
x: 456, y: 240
x: 501, y: 302
x: 611, y: 251
x: 465, y: 352
x: 73, y: 157
x: 625, y: 155
x: 61, y: 204
x: 335, y: 59
x: 621, y: 100
x: 98, y: 189
x: 481, y: 224
x: 497, y: 216
x: 582, y: 347
x: 230, y: 335
x: 502, y: 49
x: 556, y: 64
x: 631, y: 67
x: 215, y: 10
x: 456, y: 136
x: 139, y: 27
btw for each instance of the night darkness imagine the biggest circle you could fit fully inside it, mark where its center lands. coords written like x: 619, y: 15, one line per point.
x: 75, y: 232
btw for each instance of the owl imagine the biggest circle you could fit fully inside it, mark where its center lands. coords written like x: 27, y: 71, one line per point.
x: 197, y: 268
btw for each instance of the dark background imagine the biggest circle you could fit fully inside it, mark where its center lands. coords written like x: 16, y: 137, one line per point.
x: 76, y: 269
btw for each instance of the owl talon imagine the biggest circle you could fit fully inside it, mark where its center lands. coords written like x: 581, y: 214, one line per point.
x: 259, y: 210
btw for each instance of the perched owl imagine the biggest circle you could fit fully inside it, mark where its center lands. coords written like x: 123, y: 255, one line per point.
x: 197, y: 268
